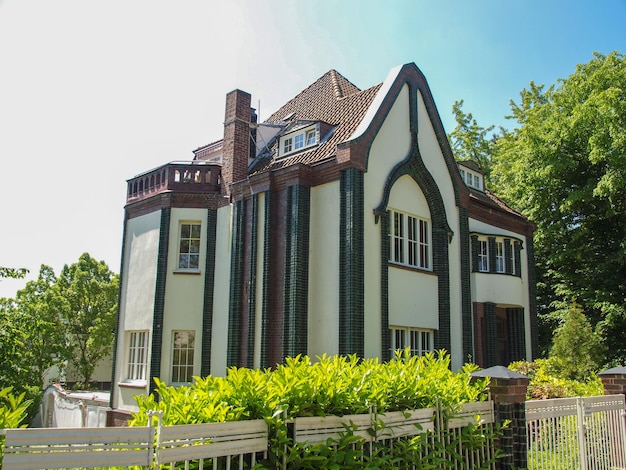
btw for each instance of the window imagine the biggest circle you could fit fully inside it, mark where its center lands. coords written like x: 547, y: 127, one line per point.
x: 473, y: 180
x: 483, y: 256
x: 287, y: 145
x: 419, y: 341
x: 410, y: 240
x: 189, y: 247
x: 137, y: 357
x: 310, y: 137
x: 500, y: 268
x: 298, y: 140
x: 182, y: 360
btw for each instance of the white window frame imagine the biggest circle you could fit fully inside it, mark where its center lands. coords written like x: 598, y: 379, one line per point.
x: 182, y: 367
x: 187, y: 246
x: 287, y: 145
x: 419, y: 340
x: 500, y: 265
x: 483, y: 255
x: 297, y: 141
x: 137, y: 358
x: 472, y: 179
x: 410, y: 240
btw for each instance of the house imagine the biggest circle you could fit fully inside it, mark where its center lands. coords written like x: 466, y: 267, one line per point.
x: 342, y: 224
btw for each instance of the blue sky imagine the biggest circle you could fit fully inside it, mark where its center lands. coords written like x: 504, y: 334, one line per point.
x: 93, y: 92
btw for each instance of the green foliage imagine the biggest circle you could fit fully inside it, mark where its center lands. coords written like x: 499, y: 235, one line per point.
x: 546, y: 381
x: 471, y: 141
x: 576, y: 349
x: 13, y: 411
x: 12, y: 273
x: 336, y: 385
x: 86, y: 294
x: 563, y: 167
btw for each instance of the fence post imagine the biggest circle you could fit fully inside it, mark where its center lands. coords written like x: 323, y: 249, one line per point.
x: 508, y: 391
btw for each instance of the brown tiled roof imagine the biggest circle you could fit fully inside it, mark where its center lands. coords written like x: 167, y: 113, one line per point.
x: 331, y: 99
x: 490, y: 199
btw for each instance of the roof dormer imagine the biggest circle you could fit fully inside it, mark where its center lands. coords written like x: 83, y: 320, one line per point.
x: 472, y: 174
x: 301, y: 135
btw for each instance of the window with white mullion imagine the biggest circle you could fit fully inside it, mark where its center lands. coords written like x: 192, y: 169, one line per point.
x: 397, y: 237
x: 483, y: 256
x: 500, y: 268
x: 418, y: 341
x: 137, y: 356
x: 410, y: 240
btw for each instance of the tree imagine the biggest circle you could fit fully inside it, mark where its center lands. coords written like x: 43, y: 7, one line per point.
x: 564, y: 167
x: 12, y: 273
x: 471, y: 141
x: 43, y: 335
x: 87, y: 301
x: 577, y: 349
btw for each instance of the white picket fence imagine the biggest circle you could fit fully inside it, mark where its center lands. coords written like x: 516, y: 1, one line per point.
x: 229, y: 445
x: 577, y: 433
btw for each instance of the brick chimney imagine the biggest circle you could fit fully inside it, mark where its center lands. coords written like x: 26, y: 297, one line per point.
x: 236, y: 150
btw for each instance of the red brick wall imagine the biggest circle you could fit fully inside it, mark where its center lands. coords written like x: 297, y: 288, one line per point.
x: 236, y: 139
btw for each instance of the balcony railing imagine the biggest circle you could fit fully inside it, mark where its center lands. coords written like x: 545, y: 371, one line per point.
x: 185, y: 177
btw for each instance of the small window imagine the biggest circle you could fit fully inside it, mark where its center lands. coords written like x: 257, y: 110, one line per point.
x: 299, y: 141
x: 189, y: 246
x: 500, y: 268
x: 137, y: 370
x: 183, y: 347
x: 310, y: 137
x: 483, y: 256
x: 287, y: 145
x: 419, y: 341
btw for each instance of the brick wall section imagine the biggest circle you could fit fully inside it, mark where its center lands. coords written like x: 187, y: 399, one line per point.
x: 118, y: 418
x: 466, y: 290
x: 236, y: 150
x: 508, y: 391
x: 614, y: 381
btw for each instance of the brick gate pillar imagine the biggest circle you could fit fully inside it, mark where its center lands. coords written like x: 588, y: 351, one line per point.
x: 508, y: 391
x: 614, y: 381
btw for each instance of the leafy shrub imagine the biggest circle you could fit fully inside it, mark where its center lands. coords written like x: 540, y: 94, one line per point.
x: 13, y: 412
x: 332, y: 385
x: 545, y: 381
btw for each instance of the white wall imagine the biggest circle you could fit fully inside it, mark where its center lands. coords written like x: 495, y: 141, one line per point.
x: 323, y: 318
x: 436, y: 165
x: 136, y: 311
x: 184, y: 291
x: 219, y: 339
x: 391, y: 145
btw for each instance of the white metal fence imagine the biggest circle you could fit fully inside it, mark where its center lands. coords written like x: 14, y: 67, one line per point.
x: 576, y: 433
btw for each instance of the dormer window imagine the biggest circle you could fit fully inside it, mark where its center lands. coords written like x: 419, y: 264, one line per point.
x: 472, y: 179
x: 298, y: 140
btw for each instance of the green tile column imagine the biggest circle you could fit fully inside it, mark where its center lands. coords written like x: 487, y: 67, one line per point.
x: 236, y: 279
x: 351, y: 265
x: 159, y: 298
x: 209, y: 289
x: 295, y: 333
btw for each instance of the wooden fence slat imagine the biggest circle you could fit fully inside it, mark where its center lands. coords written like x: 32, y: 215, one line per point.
x: 77, y: 447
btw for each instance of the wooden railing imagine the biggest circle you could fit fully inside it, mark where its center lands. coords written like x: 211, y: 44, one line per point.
x: 232, y: 444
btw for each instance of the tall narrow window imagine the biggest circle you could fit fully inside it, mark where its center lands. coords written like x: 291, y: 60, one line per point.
x: 500, y: 268
x: 182, y: 361
x: 137, y: 356
x: 189, y: 247
x: 397, y: 238
x: 410, y: 240
x: 299, y: 141
x: 483, y: 256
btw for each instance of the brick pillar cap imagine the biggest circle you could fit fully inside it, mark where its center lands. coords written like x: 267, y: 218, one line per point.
x: 498, y: 372
x: 614, y: 371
